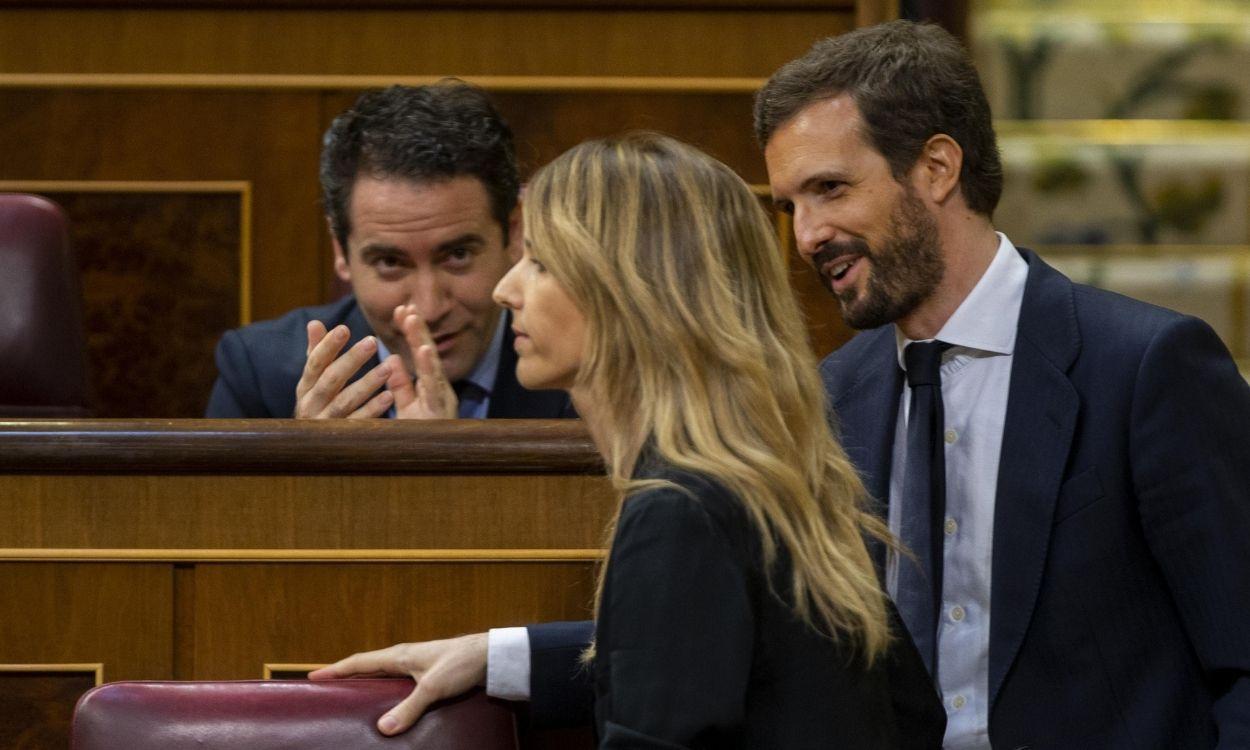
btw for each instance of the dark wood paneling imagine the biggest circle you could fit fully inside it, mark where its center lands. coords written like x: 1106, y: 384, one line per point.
x: 721, y: 43
x: 36, y: 707
x: 120, y: 616
x: 161, y: 278
x: 566, y: 5
x: 463, y: 484
x: 249, y: 615
x: 268, y: 138
x: 549, y: 123
x: 304, y: 513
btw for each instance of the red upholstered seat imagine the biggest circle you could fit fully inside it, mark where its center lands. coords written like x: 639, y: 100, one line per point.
x: 273, y: 714
x: 42, y: 351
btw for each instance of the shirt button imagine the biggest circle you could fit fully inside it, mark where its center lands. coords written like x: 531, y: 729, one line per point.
x: 957, y: 613
x: 950, y: 527
x: 958, y: 702
x: 951, y: 437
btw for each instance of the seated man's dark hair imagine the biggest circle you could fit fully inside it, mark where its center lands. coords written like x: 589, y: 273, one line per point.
x: 422, y: 133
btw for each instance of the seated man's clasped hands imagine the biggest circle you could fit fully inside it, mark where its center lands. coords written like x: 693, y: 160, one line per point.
x: 739, y: 605
x: 324, y: 389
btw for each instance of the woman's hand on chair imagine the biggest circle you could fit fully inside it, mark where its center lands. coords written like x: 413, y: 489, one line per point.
x: 442, y: 669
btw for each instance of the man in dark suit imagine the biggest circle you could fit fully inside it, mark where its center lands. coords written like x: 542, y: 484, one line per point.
x: 1081, y: 514
x: 1070, y: 467
x: 420, y: 187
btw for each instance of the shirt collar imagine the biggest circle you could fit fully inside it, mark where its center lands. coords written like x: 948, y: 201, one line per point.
x: 988, y: 317
x: 487, y: 370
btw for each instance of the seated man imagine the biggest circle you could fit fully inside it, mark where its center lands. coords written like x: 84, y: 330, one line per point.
x: 420, y: 189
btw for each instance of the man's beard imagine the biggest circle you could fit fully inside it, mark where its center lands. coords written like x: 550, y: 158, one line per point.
x: 903, y: 271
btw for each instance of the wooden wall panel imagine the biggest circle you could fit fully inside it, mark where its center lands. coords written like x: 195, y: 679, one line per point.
x: 721, y: 43
x: 250, y: 615
x: 36, y: 705
x: 118, y: 615
x: 304, y: 512
x: 161, y: 276
x: 266, y: 138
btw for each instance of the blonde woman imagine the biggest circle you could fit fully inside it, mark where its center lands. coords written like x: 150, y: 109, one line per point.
x: 738, y: 606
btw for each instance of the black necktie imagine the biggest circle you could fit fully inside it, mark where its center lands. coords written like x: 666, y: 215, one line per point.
x: 470, y: 396
x: 923, y: 502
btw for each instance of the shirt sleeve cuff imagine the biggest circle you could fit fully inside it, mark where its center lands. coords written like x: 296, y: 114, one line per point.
x: 508, y: 664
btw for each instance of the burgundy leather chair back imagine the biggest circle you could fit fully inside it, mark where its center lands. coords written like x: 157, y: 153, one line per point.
x: 43, y: 371
x: 274, y: 714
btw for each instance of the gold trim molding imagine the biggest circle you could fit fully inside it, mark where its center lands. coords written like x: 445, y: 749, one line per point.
x: 300, y: 555
x: 96, y: 669
x: 597, y: 84
x: 1127, y: 132
x: 269, y: 669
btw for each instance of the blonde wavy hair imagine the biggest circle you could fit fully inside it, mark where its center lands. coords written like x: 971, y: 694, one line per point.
x: 697, y: 350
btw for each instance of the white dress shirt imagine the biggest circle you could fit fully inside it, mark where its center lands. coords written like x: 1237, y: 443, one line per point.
x: 976, y: 374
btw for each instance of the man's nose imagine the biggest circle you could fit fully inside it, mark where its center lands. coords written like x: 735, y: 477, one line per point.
x: 431, y: 294
x: 810, y: 232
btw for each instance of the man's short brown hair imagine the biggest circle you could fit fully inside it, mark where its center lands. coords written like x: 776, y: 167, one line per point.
x: 910, y: 81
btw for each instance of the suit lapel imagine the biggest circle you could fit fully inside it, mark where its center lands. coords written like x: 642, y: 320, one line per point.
x: 866, y: 412
x: 1042, y: 408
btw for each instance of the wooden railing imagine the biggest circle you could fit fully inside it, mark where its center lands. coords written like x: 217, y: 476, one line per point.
x: 223, y: 549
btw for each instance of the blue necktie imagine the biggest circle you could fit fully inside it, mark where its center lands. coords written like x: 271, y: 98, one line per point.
x: 923, y: 507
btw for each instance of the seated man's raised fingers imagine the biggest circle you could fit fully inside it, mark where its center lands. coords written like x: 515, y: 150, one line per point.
x: 323, y: 347
x: 316, y: 332
x: 323, y: 399
x: 362, y: 399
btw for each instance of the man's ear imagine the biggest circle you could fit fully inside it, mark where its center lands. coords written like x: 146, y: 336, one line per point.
x: 937, y: 170
x: 341, y: 269
x: 516, y: 234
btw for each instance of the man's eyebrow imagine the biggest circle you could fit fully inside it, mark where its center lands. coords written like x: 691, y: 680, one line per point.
x: 379, y: 248
x: 825, y: 176
x: 469, y: 238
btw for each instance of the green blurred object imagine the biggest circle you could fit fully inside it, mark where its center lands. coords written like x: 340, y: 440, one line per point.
x: 1186, y: 207
x: 1214, y: 101
x: 1060, y: 175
